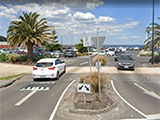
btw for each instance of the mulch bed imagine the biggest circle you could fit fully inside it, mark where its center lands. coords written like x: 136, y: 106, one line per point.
x: 92, y: 101
x: 153, y: 65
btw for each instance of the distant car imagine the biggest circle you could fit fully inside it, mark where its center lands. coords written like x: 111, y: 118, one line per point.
x: 21, y: 53
x: 125, y: 61
x: 136, y: 48
x: 102, y: 52
x: 117, y: 55
x: 48, y: 68
x: 110, y: 52
x: 70, y: 53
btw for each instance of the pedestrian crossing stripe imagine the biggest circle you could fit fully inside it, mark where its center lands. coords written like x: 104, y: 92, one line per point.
x: 35, y: 88
x: 39, y: 86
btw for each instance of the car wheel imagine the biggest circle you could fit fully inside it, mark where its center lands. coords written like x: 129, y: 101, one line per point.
x: 57, y: 77
x: 64, y: 69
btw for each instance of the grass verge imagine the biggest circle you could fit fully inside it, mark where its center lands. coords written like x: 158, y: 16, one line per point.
x: 11, y: 77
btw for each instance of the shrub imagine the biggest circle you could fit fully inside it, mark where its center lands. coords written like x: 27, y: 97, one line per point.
x: 13, y: 58
x: 156, y: 59
x: 81, y: 54
x: 4, y: 57
x: 93, y: 80
x: 102, y: 59
x: 22, y: 58
x: 147, y: 53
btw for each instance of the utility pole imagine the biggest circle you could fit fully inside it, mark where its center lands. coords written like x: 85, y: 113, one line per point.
x: 152, y: 31
x: 98, y: 65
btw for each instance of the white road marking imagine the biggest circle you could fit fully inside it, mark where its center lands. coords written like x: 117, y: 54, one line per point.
x: 154, y: 116
x: 47, y: 88
x: 25, y: 98
x: 84, y: 63
x: 134, y: 108
x: 28, y: 88
x: 151, y: 93
x: 56, y: 107
x: 135, y: 119
x: 33, y: 88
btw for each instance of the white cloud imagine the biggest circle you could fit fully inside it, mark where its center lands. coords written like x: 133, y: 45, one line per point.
x: 2, y: 7
x: 2, y: 14
x: 85, y: 16
x: 94, y: 4
x: 11, y: 11
x: 106, y: 19
x: 127, y: 18
x: 131, y: 24
x: 136, y: 37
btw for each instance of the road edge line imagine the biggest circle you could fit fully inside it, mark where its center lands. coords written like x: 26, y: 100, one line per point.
x: 57, y: 105
x: 141, y: 113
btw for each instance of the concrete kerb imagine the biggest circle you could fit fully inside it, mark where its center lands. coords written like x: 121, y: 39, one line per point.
x: 93, y: 112
x: 10, y: 82
x: 89, y: 112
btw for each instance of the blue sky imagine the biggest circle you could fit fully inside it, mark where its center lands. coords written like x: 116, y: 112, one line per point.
x: 122, y: 24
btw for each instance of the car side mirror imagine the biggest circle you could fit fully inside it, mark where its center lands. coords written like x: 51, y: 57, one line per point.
x: 62, y: 61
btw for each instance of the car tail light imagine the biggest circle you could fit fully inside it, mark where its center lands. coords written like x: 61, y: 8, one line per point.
x: 51, y: 68
x: 34, y: 68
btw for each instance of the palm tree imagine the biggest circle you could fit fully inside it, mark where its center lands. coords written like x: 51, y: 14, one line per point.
x: 156, y: 41
x: 28, y: 31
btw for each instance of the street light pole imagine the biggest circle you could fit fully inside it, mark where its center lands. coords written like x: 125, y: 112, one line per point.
x: 152, y: 31
x: 99, y: 81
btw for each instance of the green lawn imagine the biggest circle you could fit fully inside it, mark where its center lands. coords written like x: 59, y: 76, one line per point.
x: 11, y: 77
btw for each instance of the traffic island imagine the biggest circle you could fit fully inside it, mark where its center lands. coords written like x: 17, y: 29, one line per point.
x: 93, y: 105
x: 90, y: 103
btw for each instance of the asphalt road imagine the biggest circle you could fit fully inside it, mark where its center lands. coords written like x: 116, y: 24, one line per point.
x: 139, y: 90
x: 22, y: 102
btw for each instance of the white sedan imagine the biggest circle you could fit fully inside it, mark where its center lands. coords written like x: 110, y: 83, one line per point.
x: 48, y: 68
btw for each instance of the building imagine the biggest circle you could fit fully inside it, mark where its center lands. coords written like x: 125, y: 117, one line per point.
x: 3, y: 42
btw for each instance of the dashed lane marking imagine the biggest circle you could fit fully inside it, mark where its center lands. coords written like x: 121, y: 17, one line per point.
x: 25, y: 98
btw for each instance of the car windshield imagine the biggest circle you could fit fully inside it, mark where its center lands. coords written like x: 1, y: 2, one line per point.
x: 44, y: 64
x: 125, y: 57
x: 68, y: 50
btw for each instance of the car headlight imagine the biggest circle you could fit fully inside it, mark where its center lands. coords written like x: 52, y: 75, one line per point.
x: 132, y: 64
x: 119, y: 63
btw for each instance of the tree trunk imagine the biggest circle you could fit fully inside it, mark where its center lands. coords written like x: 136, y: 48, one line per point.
x: 30, y: 52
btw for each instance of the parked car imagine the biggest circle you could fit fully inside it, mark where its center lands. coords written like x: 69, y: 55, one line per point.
x: 48, y: 68
x: 136, y: 48
x: 70, y: 53
x: 125, y: 61
x: 102, y: 52
x: 111, y: 52
x: 116, y: 56
x: 21, y: 53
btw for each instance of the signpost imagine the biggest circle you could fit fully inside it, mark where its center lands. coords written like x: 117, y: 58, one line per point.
x: 84, y: 88
x: 87, y: 43
x: 98, y: 42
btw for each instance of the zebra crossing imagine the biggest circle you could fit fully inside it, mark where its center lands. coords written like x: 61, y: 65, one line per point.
x: 38, y: 86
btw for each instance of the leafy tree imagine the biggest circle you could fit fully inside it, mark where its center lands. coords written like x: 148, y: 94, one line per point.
x: 80, y: 47
x: 156, y: 41
x: 53, y: 45
x: 28, y: 31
